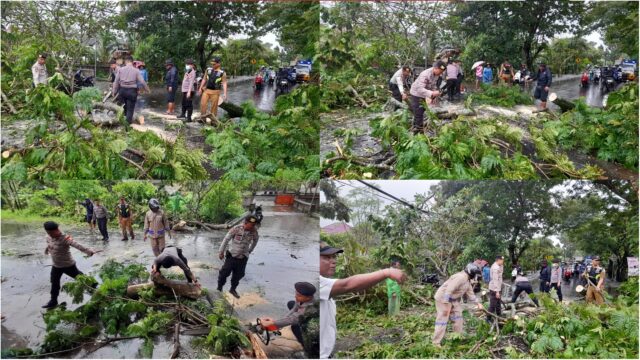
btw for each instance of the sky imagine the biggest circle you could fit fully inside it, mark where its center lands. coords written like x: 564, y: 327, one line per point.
x: 403, y: 189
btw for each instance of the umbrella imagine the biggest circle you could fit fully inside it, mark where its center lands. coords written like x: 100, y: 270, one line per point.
x: 476, y: 64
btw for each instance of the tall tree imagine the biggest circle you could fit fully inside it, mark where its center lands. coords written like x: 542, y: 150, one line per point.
x: 296, y: 24
x: 618, y: 22
x: 528, y: 25
x: 183, y: 28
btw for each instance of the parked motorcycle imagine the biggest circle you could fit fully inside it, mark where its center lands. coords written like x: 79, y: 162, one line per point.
x: 79, y: 81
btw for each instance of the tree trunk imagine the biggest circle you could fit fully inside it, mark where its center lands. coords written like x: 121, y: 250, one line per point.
x: 164, y: 286
x: 232, y: 109
x: 565, y: 105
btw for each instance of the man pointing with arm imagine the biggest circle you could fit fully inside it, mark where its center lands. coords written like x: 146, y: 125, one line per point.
x: 330, y: 288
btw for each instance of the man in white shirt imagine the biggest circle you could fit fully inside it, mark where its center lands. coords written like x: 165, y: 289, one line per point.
x: 330, y: 288
x: 397, y: 84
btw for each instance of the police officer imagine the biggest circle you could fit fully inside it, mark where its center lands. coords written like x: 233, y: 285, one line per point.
x: 235, y: 249
x: 595, y: 275
x: 448, y: 298
x: 126, y: 86
x: 39, y: 70
x: 425, y: 89
x: 214, y: 80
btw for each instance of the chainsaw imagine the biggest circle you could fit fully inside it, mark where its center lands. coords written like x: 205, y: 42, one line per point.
x: 264, y: 332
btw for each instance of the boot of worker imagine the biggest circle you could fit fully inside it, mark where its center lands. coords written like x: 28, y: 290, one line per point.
x: 234, y: 293
x: 51, y: 304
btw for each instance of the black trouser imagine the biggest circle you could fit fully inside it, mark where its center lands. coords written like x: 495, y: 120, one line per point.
x: 526, y: 287
x: 395, y: 91
x: 129, y: 96
x: 543, y: 286
x: 451, y: 88
x: 56, y: 274
x: 295, y: 328
x: 494, y: 304
x: 458, y: 82
x: 187, y: 105
x: 232, y: 266
x: 102, y: 226
x: 558, y: 289
x: 418, y: 111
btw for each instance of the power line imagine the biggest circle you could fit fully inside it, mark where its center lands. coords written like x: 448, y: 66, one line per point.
x: 360, y: 188
x: 395, y: 198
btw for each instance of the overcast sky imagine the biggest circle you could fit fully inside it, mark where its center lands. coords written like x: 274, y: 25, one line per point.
x: 403, y: 189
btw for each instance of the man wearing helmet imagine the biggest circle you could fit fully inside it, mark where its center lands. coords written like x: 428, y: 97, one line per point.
x: 155, y: 226
x: 448, y: 299
x: 240, y: 240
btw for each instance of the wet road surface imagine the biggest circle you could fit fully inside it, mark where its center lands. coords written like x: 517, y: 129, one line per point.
x: 265, y: 290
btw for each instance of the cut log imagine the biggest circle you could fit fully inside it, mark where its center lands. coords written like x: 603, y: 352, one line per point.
x: 166, y: 136
x: 393, y: 104
x: 232, y: 109
x: 164, y: 286
x: 109, y: 106
x: 176, y: 341
x: 256, y: 345
x: 207, y: 226
x: 564, y: 105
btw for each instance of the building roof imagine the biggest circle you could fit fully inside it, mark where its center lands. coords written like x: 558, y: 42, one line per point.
x: 337, y: 228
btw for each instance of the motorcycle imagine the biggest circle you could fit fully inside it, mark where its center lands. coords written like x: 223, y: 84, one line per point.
x: 608, y: 84
x: 283, y: 85
x: 431, y: 279
x: 568, y: 273
x: 584, y: 80
x: 80, y: 81
x: 272, y: 79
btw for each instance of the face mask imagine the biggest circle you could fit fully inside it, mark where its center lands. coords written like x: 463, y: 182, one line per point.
x: 555, y: 265
x: 187, y: 68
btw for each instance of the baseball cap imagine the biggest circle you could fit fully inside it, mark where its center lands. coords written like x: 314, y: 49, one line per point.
x: 216, y: 59
x: 499, y: 257
x: 325, y: 249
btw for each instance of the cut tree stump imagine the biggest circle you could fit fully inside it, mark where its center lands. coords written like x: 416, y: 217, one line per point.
x: 164, y: 286
x: 232, y: 109
x: 565, y: 105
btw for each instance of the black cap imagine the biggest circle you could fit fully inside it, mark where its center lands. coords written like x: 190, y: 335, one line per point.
x: 596, y: 258
x: 189, y: 61
x: 325, y: 249
x: 305, y: 288
x: 499, y: 257
x: 556, y: 261
x: 251, y: 219
x: 216, y: 59
x: 168, y: 62
x: 42, y: 55
x: 50, y: 225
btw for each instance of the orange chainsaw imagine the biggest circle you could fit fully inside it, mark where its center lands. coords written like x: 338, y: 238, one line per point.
x: 264, y: 332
